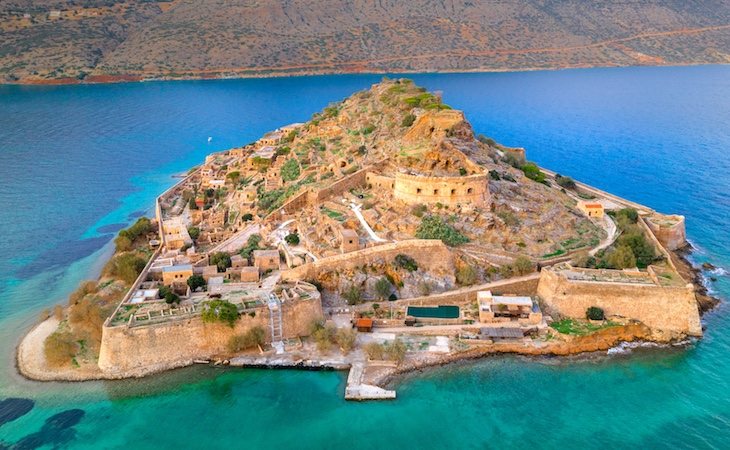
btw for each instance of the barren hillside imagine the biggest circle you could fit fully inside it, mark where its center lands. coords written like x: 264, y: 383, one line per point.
x: 42, y: 40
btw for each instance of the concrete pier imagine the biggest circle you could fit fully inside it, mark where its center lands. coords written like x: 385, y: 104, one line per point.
x: 356, y: 390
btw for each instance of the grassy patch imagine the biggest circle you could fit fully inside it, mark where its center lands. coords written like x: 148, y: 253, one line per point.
x: 578, y: 327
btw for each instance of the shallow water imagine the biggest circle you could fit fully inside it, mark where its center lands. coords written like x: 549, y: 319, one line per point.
x: 77, y: 162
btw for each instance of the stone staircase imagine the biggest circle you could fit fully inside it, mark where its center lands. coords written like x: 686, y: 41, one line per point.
x: 275, y: 322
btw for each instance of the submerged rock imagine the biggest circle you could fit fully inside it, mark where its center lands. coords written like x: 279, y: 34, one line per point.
x: 13, y: 408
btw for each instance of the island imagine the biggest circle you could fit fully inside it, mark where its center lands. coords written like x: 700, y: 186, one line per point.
x: 380, y: 237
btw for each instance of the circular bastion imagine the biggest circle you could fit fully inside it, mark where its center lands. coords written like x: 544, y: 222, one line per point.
x: 453, y: 191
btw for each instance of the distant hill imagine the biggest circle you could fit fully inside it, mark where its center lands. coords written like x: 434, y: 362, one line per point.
x: 107, y: 40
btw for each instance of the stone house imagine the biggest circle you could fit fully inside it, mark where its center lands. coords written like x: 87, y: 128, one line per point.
x: 266, y: 260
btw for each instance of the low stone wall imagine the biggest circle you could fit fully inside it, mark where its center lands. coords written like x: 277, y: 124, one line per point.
x: 132, y: 351
x: 666, y: 309
x: 431, y: 255
x: 452, y: 191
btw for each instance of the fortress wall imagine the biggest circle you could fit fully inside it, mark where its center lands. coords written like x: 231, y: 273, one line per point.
x: 149, y: 348
x: 672, y: 237
x: 666, y: 309
x: 432, y: 255
x: 527, y: 287
x: 380, y: 181
x: 414, y: 189
x: 345, y: 184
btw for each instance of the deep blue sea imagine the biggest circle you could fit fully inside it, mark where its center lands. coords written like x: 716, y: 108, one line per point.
x: 79, y: 162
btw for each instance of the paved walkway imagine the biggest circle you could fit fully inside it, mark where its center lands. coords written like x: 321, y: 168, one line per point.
x: 373, y: 236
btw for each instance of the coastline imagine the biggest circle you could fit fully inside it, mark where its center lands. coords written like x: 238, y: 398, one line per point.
x: 252, y: 73
x: 29, y: 356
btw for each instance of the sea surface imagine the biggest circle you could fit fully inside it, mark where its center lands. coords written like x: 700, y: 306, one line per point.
x: 79, y: 162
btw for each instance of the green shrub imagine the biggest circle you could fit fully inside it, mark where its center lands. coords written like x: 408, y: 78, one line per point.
x: 408, y: 120
x: 522, y: 265
x: 466, y: 275
x: 345, y: 339
x: 406, y: 262
x: 565, y: 182
x: 494, y: 175
x: 194, y: 233
x: 254, y: 337
x: 171, y: 297
x: 435, y: 227
x: 292, y: 239
x: 419, y: 210
x: 533, y: 172
x: 220, y: 311
x: 595, y: 313
x: 290, y: 171
x: 247, y: 217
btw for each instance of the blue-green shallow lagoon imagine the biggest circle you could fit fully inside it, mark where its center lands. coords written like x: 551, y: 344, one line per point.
x: 78, y: 161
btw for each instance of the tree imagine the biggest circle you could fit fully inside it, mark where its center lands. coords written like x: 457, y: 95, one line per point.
x: 194, y: 233
x: 383, y: 288
x: 252, y: 244
x: 220, y: 311
x: 220, y: 259
x: 247, y: 217
x: 122, y: 243
x: 59, y: 348
x: 171, y: 297
x: 234, y: 176
x: 352, y: 294
x: 292, y: 239
x: 196, y: 281
x: 290, y: 170
x: 621, y: 258
x: 642, y: 249
x: 126, y: 266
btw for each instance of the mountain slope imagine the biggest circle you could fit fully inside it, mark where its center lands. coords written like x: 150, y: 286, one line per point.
x: 212, y: 38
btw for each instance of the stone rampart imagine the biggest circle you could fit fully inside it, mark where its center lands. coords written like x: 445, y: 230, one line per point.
x: 131, y: 351
x: 431, y: 255
x: 669, y: 230
x: 670, y: 309
x: 452, y: 191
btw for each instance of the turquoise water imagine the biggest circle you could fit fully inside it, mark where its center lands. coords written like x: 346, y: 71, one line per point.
x: 78, y: 162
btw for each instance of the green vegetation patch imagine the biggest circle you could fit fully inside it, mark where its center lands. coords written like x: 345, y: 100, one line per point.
x: 579, y: 327
x: 435, y: 227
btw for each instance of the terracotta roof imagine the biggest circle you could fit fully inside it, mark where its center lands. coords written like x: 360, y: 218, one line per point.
x: 364, y: 322
x: 593, y: 205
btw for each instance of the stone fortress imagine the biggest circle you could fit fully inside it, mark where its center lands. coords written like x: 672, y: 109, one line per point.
x: 353, y: 186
